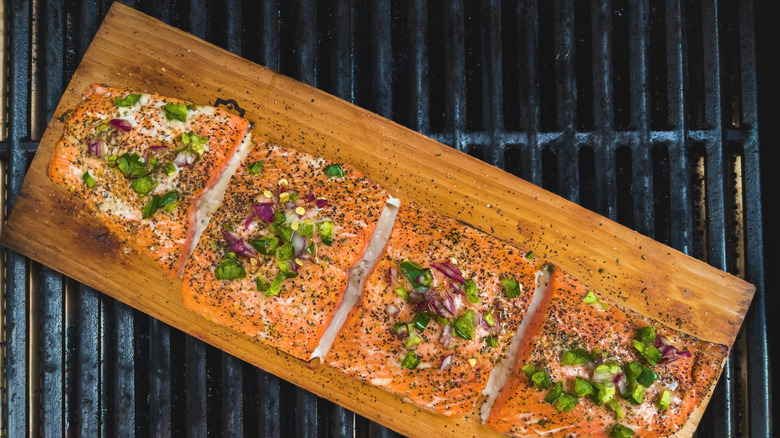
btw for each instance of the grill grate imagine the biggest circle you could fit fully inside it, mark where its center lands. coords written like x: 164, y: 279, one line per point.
x: 643, y: 111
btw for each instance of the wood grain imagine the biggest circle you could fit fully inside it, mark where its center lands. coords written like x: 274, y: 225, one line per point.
x: 134, y: 51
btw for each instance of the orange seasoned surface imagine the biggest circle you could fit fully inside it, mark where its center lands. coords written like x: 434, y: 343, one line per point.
x: 99, y: 132
x: 606, y: 332
x: 287, y: 313
x: 435, y: 366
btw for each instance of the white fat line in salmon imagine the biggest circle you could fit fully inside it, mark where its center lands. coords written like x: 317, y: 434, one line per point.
x: 500, y: 374
x: 212, y: 198
x: 358, y: 275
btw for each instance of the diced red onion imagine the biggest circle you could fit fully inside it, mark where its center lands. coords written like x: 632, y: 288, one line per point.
x: 184, y: 159
x: 94, y: 147
x: 231, y: 237
x: 248, y: 220
x: 243, y: 248
x: 310, y: 197
x: 670, y: 354
x: 449, y: 304
x: 299, y: 243
x: 446, y: 363
x: 121, y: 124
x: 392, y: 276
x: 446, y: 336
x: 401, y: 333
x: 451, y: 271
x: 620, y: 382
x: 158, y: 148
x: 264, y: 211
x: 322, y: 203
x: 599, y: 359
x: 496, y: 329
x: 392, y: 309
x: 289, y: 205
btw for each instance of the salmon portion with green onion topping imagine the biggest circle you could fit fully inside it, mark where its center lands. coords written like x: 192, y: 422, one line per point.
x: 593, y: 369
x: 438, y: 312
x: 146, y: 165
x: 273, y: 263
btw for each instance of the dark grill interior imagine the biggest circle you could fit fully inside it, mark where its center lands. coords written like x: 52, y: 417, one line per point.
x: 646, y: 112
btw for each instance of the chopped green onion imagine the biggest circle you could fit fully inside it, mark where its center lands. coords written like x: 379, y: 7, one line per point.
x: 262, y: 285
x: 169, y: 169
x: 265, y: 245
x: 175, y: 111
x: 647, y: 377
x: 313, y: 250
x: 419, y: 277
x: 620, y: 431
x: 276, y: 285
x: 635, y: 393
x: 131, y: 165
x: 413, y: 338
x: 197, y: 144
x: 566, y: 402
x: 592, y: 299
x: 541, y: 379
x: 491, y: 341
x: 604, y: 392
x: 229, y: 269
x: 617, y: 408
x: 401, y: 328
x: 582, y: 387
x: 285, y: 252
x: 283, y: 231
x: 326, y: 232
x: 111, y: 160
x: 472, y: 291
x: 410, y: 361
x: 530, y: 256
x: 169, y: 201
x: 553, y: 394
x: 443, y: 321
x: 335, y: 171
x: 279, y: 216
x: 464, y: 326
x: 632, y: 370
x: 646, y: 334
x: 420, y: 320
x: 130, y: 100
x: 488, y: 317
x: 285, y: 267
x: 403, y: 293
x: 529, y: 369
x: 664, y: 401
x: 305, y: 230
x: 144, y: 185
x: 652, y: 354
x: 577, y: 356
x: 151, y: 207
x: 512, y: 288
x: 88, y: 179
x: 256, y: 167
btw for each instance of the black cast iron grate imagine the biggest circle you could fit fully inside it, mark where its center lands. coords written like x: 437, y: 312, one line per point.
x: 642, y: 111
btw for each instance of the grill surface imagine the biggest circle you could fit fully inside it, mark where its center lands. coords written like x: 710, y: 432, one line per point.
x: 644, y: 111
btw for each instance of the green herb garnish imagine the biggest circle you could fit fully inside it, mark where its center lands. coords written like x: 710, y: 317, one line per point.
x: 130, y: 100
x: 577, y: 356
x: 554, y: 393
x: 541, y: 379
x: 144, y: 185
x: 262, y: 285
x: 169, y: 169
x: 287, y: 268
x: 592, y: 299
x: 529, y: 369
x: 403, y: 293
x: 464, y: 326
x: 88, y: 179
x: 582, y: 387
x: 617, y: 408
x: 646, y: 334
x: 151, y: 207
x: 664, y: 401
x: 265, y: 245
x: 169, y: 201
x: 131, y: 165
x: 491, y: 341
x: 256, y: 167
x: 335, y: 171
x: 175, y: 111
x: 604, y: 392
x: 420, y: 320
x: 566, y: 402
x: 650, y: 353
x: 410, y: 361
x: 419, y: 277
x: 326, y: 232
x: 620, y: 431
x: 276, y: 285
x: 472, y: 291
x: 230, y: 269
x: 512, y: 288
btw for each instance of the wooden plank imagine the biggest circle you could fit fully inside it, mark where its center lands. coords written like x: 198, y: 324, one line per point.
x: 132, y: 50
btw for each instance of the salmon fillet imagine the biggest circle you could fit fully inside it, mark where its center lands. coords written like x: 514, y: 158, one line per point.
x: 267, y: 264
x: 124, y: 153
x: 580, y: 335
x: 431, y: 267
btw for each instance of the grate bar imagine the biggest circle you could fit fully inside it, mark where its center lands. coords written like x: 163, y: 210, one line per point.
x: 418, y: 25
x: 196, y: 387
x: 160, y: 379
x: 53, y: 342
x: 455, y: 74
x: 528, y: 19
